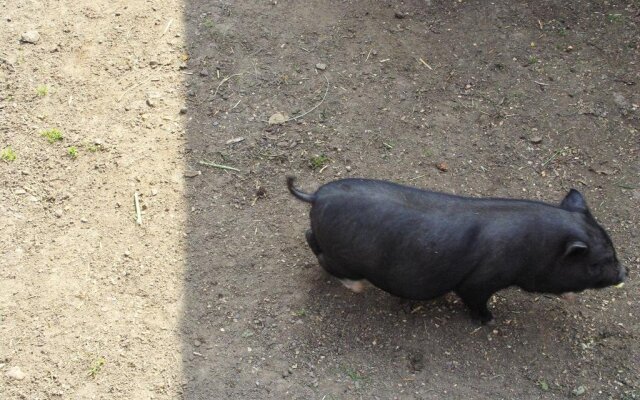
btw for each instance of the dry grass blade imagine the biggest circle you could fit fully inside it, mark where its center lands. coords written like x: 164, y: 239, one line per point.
x: 223, y: 81
x: 314, y: 107
x: 214, y: 165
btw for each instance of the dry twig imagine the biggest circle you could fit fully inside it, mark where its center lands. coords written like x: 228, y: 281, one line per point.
x: 136, y: 201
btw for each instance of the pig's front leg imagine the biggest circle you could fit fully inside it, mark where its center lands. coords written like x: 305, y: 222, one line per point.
x: 476, y: 300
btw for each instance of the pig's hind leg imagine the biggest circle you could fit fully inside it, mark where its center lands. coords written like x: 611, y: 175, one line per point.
x: 346, y: 277
x: 356, y: 284
x: 312, y: 242
x: 315, y: 247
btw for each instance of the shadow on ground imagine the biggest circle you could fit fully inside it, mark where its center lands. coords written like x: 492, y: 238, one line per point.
x: 512, y: 98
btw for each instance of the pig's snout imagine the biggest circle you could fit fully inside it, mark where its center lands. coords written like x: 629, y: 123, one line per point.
x: 623, y: 272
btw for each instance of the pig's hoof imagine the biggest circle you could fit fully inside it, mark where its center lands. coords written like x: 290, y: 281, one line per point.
x: 484, y: 318
x: 355, y: 286
x: 489, y: 322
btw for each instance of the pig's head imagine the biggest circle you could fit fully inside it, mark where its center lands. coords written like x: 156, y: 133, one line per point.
x: 586, y: 258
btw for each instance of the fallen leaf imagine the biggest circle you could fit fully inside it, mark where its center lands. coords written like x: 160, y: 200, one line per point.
x: 602, y: 171
x: 442, y: 166
x: 536, y: 139
x: 277, y: 118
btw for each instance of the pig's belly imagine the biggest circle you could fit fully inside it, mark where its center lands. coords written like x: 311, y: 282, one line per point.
x: 415, y: 281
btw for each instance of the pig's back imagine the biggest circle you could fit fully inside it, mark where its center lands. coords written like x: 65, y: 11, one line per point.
x: 426, y: 200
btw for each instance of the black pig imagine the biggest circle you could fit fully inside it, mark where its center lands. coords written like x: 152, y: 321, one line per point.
x: 419, y: 244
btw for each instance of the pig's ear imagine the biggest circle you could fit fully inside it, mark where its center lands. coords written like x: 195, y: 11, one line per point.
x: 574, y: 201
x: 575, y: 248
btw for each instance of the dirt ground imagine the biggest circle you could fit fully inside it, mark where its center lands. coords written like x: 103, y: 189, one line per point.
x: 215, y: 295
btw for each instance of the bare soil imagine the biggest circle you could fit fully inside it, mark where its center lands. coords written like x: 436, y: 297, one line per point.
x: 216, y: 295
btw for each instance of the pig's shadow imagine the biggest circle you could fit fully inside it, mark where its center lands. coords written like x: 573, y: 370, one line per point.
x: 373, y: 327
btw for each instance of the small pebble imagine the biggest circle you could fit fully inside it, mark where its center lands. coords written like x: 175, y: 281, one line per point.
x: 536, y: 140
x: 183, y: 110
x: 621, y: 101
x: 15, y: 373
x: 321, y: 66
x: 192, y: 174
x: 58, y: 213
x: 197, y: 343
x: 84, y: 220
x: 154, y: 192
x: 399, y: 15
x: 32, y: 37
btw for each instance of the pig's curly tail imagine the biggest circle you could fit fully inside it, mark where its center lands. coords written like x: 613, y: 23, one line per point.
x: 309, y: 198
